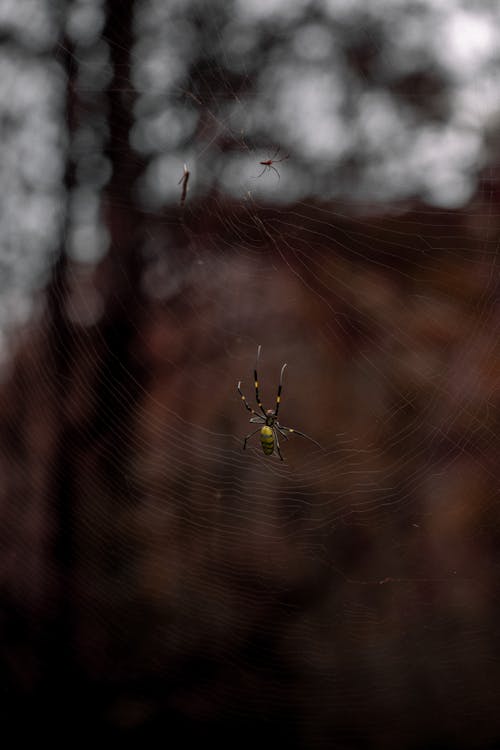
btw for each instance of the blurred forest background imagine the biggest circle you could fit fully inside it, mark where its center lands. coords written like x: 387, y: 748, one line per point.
x: 155, y: 580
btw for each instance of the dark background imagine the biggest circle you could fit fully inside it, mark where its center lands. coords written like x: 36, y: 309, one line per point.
x: 154, y: 578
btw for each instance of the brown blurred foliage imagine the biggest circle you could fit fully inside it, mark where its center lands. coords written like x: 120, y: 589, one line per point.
x: 156, y: 578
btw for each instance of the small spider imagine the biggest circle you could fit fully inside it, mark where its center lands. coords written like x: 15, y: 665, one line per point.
x: 269, y: 426
x: 268, y: 163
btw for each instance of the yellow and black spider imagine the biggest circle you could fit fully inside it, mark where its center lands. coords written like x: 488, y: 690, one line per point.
x: 268, y: 420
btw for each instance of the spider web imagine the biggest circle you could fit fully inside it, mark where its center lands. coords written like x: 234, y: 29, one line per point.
x: 348, y: 594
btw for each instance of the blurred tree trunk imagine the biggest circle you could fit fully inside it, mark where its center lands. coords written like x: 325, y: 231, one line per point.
x: 114, y: 380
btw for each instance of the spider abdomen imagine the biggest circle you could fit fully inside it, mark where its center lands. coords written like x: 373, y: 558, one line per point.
x: 267, y: 440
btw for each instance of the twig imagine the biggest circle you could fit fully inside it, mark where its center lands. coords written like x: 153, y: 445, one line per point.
x: 184, y: 179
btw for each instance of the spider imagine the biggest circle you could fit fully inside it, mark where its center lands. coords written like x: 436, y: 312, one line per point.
x: 268, y: 163
x: 269, y: 427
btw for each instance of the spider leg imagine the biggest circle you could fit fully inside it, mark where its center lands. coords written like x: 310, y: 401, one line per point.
x: 278, y: 397
x: 302, y: 434
x: 277, y: 443
x: 274, y: 170
x: 273, y: 157
x: 275, y: 433
x: 245, y: 404
x: 249, y: 436
x: 256, y: 177
x: 256, y: 382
